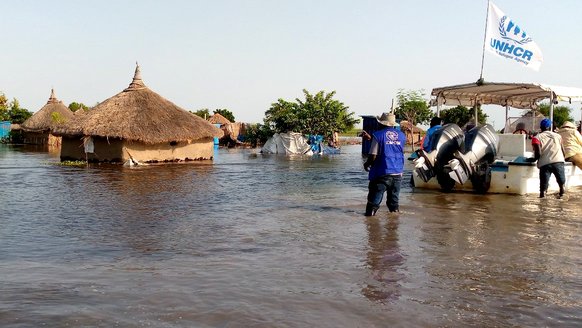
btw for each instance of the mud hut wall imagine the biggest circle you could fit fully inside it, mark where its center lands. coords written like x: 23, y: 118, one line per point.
x: 109, y: 150
x: 72, y: 148
x: 36, y: 138
x: 195, y: 150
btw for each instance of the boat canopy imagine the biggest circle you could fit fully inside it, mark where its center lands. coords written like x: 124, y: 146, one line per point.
x: 516, y: 95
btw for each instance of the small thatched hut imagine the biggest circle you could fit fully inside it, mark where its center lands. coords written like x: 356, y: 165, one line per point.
x: 218, y: 119
x: 138, y: 124
x: 37, y: 129
x: 413, y: 133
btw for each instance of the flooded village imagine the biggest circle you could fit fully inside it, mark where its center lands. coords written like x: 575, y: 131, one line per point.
x: 287, y: 165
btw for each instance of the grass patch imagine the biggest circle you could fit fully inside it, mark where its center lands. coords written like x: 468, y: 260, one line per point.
x: 351, y: 133
x: 69, y: 163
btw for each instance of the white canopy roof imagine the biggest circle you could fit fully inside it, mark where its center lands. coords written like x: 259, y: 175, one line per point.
x: 517, y: 95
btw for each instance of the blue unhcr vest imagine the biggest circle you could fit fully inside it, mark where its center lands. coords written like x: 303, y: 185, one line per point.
x: 390, y: 157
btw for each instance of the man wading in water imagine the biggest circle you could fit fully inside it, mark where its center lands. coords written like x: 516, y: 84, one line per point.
x: 549, y: 153
x: 385, y: 163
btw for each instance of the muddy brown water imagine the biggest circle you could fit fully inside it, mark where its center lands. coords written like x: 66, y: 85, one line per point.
x: 272, y: 241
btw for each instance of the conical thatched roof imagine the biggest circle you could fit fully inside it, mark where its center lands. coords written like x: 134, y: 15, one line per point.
x: 139, y: 114
x: 218, y: 119
x: 80, y: 112
x: 50, y: 116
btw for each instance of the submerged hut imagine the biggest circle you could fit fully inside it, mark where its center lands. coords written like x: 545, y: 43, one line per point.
x: 37, y: 128
x: 138, y: 125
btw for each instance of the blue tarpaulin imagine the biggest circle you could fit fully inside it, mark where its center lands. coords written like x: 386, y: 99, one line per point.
x: 4, y: 129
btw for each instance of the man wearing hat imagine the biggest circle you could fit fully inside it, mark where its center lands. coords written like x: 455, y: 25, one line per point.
x: 572, y: 142
x: 548, y: 152
x: 385, y: 164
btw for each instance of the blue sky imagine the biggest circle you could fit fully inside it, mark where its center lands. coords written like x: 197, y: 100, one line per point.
x: 243, y: 55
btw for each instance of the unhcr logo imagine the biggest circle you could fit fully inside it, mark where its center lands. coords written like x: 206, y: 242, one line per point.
x: 507, y: 39
x: 513, y: 38
x: 511, y: 28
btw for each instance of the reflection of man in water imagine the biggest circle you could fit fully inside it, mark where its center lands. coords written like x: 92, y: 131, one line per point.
x: 383, y: 260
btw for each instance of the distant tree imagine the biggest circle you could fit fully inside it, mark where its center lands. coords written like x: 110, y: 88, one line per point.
x: 282, y: 117
x: 75, y: 106
x: 16, y: 114
x: 204, y: 113
x: 4, y: 106
x: 256, y: 134
x: 317, y: 114
x: 461, y: 115
x: 226, y: 113
x: 561, y: 113
x: 413, y: 107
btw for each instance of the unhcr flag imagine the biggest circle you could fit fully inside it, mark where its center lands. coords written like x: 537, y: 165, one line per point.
x: 507, y: 39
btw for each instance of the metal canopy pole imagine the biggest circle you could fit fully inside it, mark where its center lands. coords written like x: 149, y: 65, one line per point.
x: 552, y: 108
x: 477, y: 115
x: 506, y: 118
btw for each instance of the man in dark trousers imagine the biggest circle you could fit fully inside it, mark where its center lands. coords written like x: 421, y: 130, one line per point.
x: 548, y: 151
x: 385, y: 163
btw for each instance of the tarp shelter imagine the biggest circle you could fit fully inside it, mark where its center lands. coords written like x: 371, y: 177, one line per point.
x: 286, y: 143
x: 517, y: 95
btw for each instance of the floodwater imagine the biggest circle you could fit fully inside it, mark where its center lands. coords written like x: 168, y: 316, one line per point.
x: 270, y: 241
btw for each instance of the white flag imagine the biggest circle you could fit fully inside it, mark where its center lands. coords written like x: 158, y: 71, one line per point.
x: 507, y: 39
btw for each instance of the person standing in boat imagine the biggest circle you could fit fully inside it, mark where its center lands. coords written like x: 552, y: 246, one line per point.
x: 548, y: 151
x: 572, y: 142
x: 520, y: 128
x: 435, y: 124
x: 385, y: 164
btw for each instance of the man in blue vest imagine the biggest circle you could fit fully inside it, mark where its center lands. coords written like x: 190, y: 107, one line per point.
x: 385, y: 163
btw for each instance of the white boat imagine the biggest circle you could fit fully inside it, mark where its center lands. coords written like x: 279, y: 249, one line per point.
x: 480, y: 159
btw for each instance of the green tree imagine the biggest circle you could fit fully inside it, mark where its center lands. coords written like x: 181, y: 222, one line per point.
x: 461, y: 115
x: 561, y: 113
x: 4, y: 106
x: 323, y: 115
x: 226, y: 113
x: 283, y: 117
x: 413, y: 107
x: 16, y: 114
x: 317, y: 114
x: 256, y: 134
x: 204, y: 113
x: 75, y: 106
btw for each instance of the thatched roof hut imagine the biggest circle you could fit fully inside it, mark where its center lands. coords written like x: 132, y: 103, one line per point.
x: 50, y: 116
x: 218, y: 119
x: 413, y: 133
x: 406, y: 126
x: 139, y: 114
x: 37, y: 129
x: 144, y: 126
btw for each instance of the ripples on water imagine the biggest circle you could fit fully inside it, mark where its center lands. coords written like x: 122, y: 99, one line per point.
x: 272, y: 241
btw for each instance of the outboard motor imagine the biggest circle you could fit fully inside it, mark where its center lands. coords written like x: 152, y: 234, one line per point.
x: 431, y: 161
x: 472, y: 160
